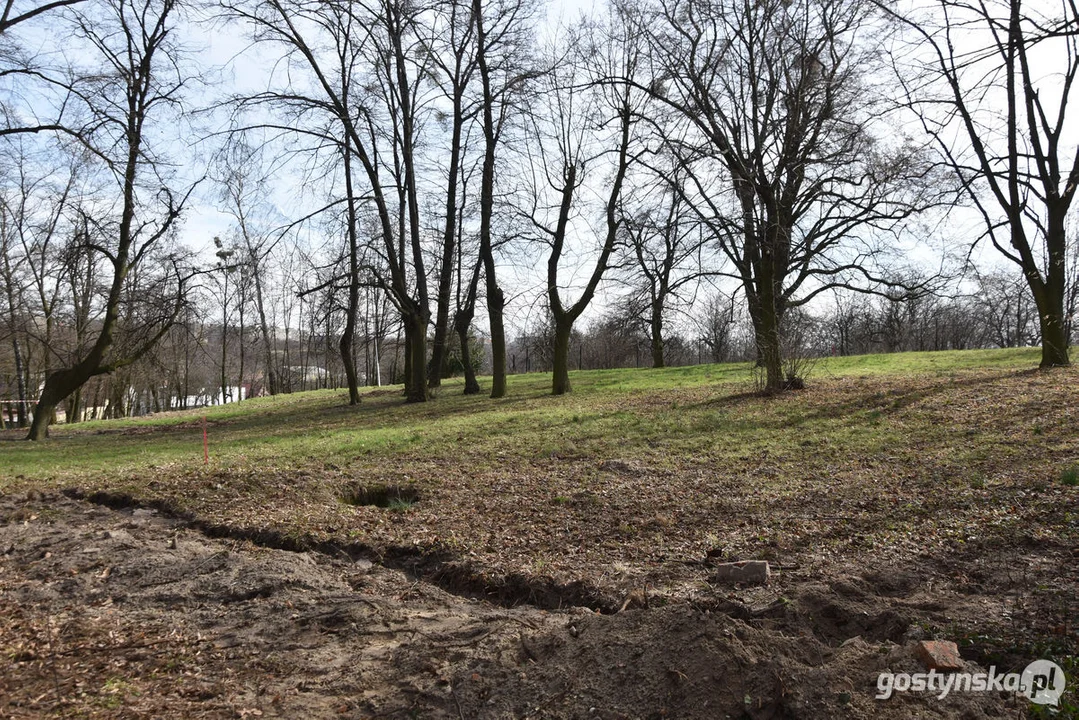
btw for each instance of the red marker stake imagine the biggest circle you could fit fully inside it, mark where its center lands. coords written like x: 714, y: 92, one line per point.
x: 205, y: 443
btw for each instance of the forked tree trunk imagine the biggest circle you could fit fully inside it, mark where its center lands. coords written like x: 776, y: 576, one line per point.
x: 461, y: 325
x: 58, y: 385
x: 766, y: 320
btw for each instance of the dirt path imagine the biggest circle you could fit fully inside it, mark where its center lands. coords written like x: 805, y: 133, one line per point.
x: 127, y: 614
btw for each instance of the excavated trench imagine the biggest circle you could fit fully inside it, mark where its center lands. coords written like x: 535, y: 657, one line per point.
x: 431, y: 565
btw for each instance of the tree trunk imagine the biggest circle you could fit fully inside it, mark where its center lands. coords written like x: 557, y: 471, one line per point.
x: 495, y: 309
x: 348, y: 355
x: 243, y: 358
x: 496, y: 299
x: 461, y: 325
x: 657, y: 335
x: 563, y: 328
x: 449, y: 246
x: 768, y: 347
x: 267, y: 340
x: 349, y: 360
x: 416, y: 358
x: 96, y: 402
x: 20, y: 381
x: 1054, y: 336
x: 224, y: 343
x: 407, y: 377
x: 438, y: 342
x: 74, y: 407
x: 1049, y: 297
x: 58, y: 385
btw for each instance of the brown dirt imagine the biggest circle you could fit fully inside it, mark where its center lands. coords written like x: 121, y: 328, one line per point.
x: 130, y: 613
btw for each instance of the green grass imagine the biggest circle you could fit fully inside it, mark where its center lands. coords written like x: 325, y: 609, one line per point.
x: 604, y: 409
x: 1070, y: 476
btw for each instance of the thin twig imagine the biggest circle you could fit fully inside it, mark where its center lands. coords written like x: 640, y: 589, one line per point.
x: 453, y: 693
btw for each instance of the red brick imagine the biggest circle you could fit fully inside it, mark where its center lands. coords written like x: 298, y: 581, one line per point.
x: 939, y: 655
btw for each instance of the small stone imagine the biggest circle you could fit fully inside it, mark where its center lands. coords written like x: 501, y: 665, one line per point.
x: 364, y: 565
x: 913, y: 634
x: 939, y: 654
x: 856, y: 640
x: 747, y: 571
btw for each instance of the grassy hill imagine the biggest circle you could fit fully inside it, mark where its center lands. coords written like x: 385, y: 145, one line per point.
x: 319, y: 426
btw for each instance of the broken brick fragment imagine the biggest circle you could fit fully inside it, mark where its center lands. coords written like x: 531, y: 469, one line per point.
x: 939, y: 654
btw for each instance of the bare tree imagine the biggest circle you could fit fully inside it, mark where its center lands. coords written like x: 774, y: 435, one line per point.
x: 243, y: 188
x: 716, y: 323
x: 503, y: 58
x: 454, y: 30
x: 137, y: 78
x: 667, y: 244
x: 12, y: 274
x: 984, y: 92
x: 38, y: 206
x: 366, y: 68
x: 764, y: 108
x: 572, y: 136
x: 1008, y: 310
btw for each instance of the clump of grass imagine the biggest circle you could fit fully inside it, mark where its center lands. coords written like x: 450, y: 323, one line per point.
x: 400, y: 504
x: 1070, y: 476
x: 395, y: 498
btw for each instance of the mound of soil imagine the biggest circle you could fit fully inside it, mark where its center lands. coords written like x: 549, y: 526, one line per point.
x: 126, y: 613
